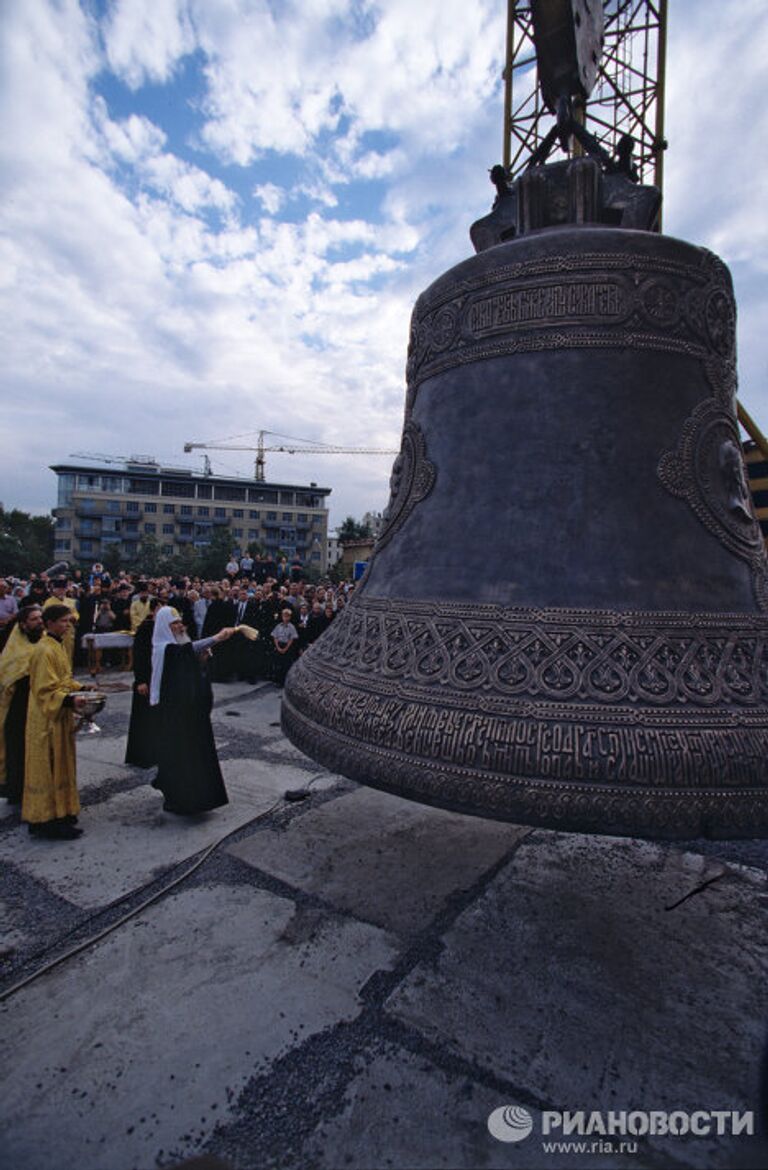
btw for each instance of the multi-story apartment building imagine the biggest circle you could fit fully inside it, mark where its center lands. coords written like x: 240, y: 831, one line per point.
x: 98, y: 508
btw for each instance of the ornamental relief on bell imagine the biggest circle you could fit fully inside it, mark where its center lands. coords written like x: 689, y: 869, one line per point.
x: 686, y: 308
x: 648, y: 659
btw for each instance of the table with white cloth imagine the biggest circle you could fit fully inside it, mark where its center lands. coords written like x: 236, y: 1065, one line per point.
x: 95, y: 643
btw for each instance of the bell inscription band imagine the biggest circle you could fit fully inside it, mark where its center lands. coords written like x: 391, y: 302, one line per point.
x: 565, y: 620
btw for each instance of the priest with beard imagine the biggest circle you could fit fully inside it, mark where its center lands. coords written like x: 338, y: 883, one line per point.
x: 188, y: 774
x: 14, y: 699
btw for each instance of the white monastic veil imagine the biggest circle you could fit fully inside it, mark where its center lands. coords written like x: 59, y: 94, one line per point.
x: 162, y: 636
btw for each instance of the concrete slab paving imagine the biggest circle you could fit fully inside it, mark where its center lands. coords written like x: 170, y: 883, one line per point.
x: 11, y: 937
x: 582, y: 975
x: 108, y: 750
x: 132, y: 1052
x: 92, y: 774
x: 128, y: 839
x: 378, y: 1127
x: 387, y: 860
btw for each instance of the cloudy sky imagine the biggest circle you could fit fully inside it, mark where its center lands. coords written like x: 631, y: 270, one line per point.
x: 216, y: 215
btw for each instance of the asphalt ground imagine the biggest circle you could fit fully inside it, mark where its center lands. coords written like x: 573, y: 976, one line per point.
x: 354, y: 980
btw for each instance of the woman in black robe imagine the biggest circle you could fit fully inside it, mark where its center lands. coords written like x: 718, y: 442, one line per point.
x: 140, y: 749
x: 188, y: 775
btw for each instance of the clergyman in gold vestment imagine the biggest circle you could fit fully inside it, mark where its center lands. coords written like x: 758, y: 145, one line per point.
x: 51, y: 803
x: 14, y: 698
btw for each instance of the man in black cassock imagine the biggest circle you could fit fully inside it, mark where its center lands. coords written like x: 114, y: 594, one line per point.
x: 188, y: 775
x: 140, y: 749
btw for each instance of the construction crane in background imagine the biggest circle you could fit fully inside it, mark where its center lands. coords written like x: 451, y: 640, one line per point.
x: 628, y: 94
x: 291, y: 446
x: 626, y: 102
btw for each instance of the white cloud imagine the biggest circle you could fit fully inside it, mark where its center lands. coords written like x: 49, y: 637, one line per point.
x: 145, y: 39
x: 271, y: 197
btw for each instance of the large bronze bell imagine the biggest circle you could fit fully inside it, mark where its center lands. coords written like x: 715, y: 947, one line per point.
x: 564, y: 621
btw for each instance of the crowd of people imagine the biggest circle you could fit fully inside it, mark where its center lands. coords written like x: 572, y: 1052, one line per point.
x: 185, y: 633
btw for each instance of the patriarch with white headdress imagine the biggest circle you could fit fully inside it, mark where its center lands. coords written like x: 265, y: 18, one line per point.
x: 188, y: 774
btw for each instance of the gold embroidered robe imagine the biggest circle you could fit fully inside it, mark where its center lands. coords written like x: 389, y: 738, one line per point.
x: 14, y: 665
x: 50, y: 788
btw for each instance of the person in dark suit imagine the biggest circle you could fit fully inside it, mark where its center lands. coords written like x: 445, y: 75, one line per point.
x: 248, y: 656
x: 303, y: 627
x: 121, y: 607
x: 317, y: 623
x: 220, y: 616
x: 87, y: 607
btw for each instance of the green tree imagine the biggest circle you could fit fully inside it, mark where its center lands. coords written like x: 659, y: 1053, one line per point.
x: 26, y: 542
x: 213, y: 559
x: 351, y: 529
x: 149, y: 555
x: 113, y: 561
x: 185, y: 563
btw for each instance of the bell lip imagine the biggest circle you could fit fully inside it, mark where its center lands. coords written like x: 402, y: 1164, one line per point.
x: 708, y: 813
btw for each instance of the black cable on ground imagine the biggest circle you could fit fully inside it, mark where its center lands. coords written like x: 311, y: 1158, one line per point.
x: 93, y: 939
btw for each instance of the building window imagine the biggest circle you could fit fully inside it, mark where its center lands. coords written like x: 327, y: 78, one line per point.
x: 66, y: 487
x: 182, y: 488
x: 220, y: 512
x: 150, y: 529
x: 229, y: 492
x: 167, y: 550
x: 238, y: 513
x: 132, y: 506
x: 287, y: 498
x: 167, y: 530
x: 186, y: 509
x: 204, y: 491
x: 302, y: 517
x: 169, y: 509
x: 271, y: 515
x: 253, y: 515
x: 237, y: 532
x: 150, y: 507
x: 253, y: 534
x: 61, y: 545
x: 86, y: 546
x: 288, y: 516
x: 202, y: 511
